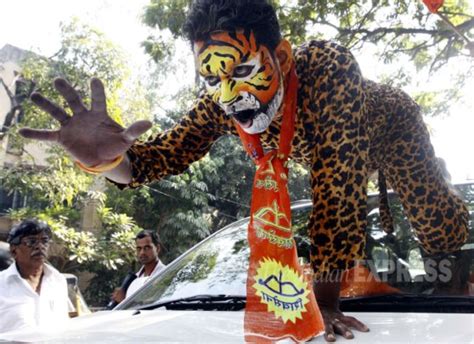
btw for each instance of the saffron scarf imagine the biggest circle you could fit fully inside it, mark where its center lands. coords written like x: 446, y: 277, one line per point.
x: 280, y: 303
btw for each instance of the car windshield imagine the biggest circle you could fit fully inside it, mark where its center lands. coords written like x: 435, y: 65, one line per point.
x: 218, y: 266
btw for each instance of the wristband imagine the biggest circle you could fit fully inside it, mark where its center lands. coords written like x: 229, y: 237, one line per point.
x: 101, y: 167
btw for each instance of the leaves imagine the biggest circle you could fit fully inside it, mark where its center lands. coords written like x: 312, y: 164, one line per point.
x: 216, y: 190
x: 56, y: 190
x: 398, y: 29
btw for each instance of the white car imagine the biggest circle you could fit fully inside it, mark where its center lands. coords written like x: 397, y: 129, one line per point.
x: 200, y: 297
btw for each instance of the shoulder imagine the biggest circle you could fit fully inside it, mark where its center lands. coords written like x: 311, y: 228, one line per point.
x: 10, y: 284
x: 49, y: 269
x: 322, y: 54
x: 319, y: 49
x: 3, y: 278
x: 139, y: 271
x: 323, y: 64
x: 7, y: 273
x: 54, y: 274
x: 160, y: 266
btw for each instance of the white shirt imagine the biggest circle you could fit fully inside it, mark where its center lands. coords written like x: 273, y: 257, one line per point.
x: 21, y: 308
x: 141, y: 280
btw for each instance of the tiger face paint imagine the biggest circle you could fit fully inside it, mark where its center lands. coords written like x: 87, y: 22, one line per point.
x: 242, y: 77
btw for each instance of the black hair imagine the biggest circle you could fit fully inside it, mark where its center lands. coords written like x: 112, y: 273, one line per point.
x: 207, y: 16
x: 152, y: 234
x: 26, y: 228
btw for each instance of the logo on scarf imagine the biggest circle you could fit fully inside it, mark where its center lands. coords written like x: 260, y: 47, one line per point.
x: 273, y: 225
x: 268, y: 184
x: 282, y: 289
x: 273, y: 217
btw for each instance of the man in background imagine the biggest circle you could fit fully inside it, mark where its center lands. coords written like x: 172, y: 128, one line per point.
x: 148, y: 248
x: 33, y: 294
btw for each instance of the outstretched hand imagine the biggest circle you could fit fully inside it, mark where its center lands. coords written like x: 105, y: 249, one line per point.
x: 89, y: 136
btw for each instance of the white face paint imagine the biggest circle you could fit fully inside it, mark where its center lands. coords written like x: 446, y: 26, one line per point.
x: 263, y: 119
x: 242, y: 77
x: 247, y: 102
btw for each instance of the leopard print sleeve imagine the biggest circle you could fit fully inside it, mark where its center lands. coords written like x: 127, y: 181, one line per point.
x: 172, y: 151
x: 339, y: 168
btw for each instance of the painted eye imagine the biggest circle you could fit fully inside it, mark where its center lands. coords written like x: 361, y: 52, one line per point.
x: 212, y: 80
x: 242, y: 71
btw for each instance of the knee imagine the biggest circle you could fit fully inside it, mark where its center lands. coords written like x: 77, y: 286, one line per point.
x: 448, y: 238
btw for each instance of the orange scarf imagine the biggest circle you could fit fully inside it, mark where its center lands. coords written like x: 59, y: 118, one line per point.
x: 280, y: 303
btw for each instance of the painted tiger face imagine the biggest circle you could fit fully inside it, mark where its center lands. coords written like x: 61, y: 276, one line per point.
x: 242, y: 77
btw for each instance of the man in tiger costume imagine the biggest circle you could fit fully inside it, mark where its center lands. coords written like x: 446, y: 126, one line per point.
x: 346, y: 128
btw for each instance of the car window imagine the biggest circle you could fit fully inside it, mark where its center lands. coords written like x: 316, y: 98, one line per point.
x: 398, y: 259
x: 218, y: 266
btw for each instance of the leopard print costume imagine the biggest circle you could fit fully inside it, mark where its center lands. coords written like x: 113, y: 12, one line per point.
x: 347, y: 127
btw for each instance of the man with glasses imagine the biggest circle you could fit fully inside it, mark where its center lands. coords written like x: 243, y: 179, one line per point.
x: 33, y: 294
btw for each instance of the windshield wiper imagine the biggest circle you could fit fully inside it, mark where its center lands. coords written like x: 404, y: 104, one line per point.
x: 409, y: 303
x: 379, y: 303
x: 202, y: 302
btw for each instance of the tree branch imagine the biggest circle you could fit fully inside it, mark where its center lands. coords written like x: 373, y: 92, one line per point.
x: 383, y: 31
x: 438, y: 59
x: 458, y: 14
x: 362, y: 22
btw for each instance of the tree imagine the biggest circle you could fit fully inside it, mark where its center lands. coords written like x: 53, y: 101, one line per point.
x: 58, y: 191
x: 398, y: 30
x: 394, y: 30
x: 402, y: 34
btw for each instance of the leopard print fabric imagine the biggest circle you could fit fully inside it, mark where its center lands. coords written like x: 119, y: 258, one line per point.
x: 346, y: 128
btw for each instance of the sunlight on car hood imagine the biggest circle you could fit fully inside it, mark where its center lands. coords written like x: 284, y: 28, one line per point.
x: 219, y: 327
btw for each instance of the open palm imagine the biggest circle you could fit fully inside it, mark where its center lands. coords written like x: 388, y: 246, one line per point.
x: 90, y: 136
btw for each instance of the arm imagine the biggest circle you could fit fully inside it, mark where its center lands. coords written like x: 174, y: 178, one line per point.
x: 339, y: 179
x: 172, y: 151
x: 94, y: 140
x: 122, y: 174
x: 90, y: 136
x: 118, y: 295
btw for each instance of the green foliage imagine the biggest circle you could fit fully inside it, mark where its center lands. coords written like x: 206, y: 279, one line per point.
x: 85, y: 53
x: 108, y: 252
x: 56, y: 189
x: 47, y: 186
x: 216, y: 190
x: 164, y: 15
x: 398, y: 30
x: 110, y: 246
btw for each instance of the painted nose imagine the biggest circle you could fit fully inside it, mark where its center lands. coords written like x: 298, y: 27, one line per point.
x: 228, y: 94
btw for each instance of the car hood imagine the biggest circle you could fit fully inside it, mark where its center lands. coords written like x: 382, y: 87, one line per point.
x: 220, y: 327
